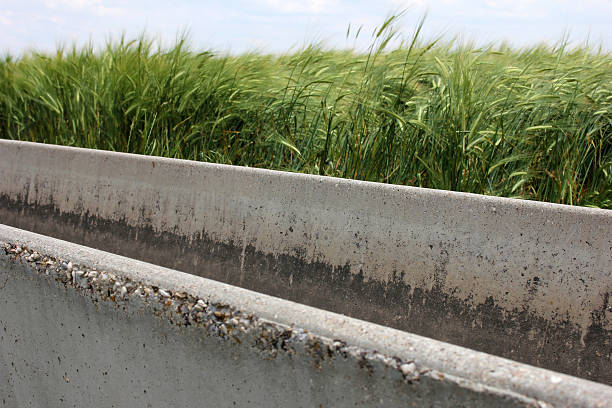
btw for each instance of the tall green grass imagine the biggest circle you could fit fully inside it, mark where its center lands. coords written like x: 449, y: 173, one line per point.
x: 532, y: 123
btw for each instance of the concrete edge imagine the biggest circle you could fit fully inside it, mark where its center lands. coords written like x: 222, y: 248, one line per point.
x: 469, y: 368
x: 436, y: 193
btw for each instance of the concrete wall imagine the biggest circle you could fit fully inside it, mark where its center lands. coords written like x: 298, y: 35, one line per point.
x: 85, y: 328
x: 524, y: 280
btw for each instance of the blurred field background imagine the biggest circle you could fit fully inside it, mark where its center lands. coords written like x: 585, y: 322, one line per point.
x: 532, y: 123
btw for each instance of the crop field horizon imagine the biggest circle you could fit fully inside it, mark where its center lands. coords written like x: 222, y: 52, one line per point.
x: 532, y: 123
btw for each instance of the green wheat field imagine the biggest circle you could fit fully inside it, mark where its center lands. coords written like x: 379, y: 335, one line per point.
x: 532, y: 123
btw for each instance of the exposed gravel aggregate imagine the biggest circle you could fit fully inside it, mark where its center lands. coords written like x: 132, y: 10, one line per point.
x: 213, y: 319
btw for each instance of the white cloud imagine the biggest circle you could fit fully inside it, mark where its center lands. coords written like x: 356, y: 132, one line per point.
x: 95, y: 7
x: 514, y: 8
x: 303, y: 6
x: 71, y: 3
x: 5, y: 17
x: 50, y: 19
x: 410, y: 3
x: 109, y: 11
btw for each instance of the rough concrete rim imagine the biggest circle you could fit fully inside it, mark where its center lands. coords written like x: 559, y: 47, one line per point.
x: 465, y: 364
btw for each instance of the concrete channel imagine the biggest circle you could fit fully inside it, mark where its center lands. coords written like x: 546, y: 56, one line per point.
x: 525, y: 282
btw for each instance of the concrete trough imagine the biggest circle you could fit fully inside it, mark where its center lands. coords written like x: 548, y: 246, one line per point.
x: 83, y: 327
x: 525, y: 281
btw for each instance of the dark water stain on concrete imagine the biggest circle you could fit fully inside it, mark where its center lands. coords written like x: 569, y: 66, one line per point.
x: 517, y: 334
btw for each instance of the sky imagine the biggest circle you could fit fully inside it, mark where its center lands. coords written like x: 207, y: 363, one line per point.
x: 275, y: 26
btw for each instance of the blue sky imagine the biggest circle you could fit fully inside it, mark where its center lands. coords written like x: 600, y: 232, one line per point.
x: 276, y: 26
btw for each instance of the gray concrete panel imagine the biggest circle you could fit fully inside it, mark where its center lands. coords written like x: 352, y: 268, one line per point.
x: 81, y: 327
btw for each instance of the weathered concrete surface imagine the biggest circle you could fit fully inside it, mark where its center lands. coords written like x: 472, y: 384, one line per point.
x: 524, y: 280
x: 81, y: 327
